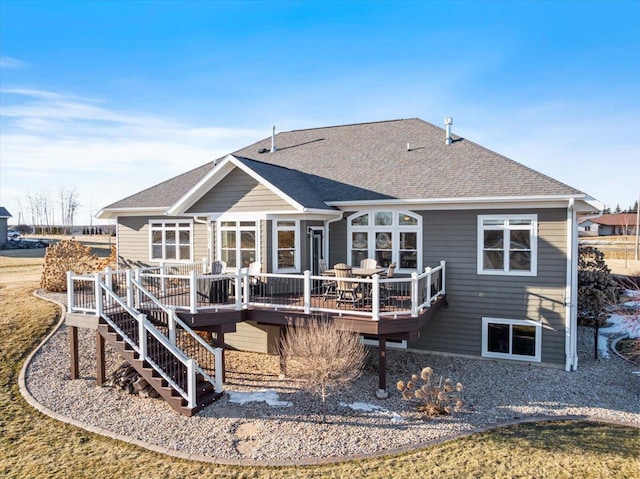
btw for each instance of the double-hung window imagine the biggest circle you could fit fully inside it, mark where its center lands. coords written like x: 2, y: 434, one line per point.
x: 286, y: 246
x: 387, y: 236
x: 507, y: 245
x: 512, y: 339
x: 171, y: 240
x: 238, y: 243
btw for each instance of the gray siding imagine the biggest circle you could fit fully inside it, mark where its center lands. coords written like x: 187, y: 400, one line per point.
x: 452, y: 236
x: 133, y: 239
x: 338, y: 242
x: 239, y: 192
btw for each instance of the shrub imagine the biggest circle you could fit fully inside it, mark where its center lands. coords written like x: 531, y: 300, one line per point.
x: 323, y: 356
x: 433, y: 399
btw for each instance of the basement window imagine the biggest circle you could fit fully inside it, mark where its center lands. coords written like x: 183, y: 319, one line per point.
x: 511, y: 339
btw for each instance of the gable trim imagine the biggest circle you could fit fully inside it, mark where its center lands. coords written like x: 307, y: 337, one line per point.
x: 215, y: 176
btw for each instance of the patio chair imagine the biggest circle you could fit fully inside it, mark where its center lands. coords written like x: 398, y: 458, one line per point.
x: 368, y: 263
x: 219, y: 290
x: 328, y: 286
x: 346, y: 291
x: 218, y: 267
x: 386, y: 289
x: 255, y: 282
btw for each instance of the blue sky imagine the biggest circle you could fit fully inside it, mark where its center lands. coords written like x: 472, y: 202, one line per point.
x: 108, y: 98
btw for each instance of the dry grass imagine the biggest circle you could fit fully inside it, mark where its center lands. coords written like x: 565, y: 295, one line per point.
x: 36, y: 446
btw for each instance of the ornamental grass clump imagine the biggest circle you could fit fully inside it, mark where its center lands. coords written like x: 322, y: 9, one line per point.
x: 433, y: 399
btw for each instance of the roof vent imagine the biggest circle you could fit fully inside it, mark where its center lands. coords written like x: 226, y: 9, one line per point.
x: 273, y: 139
x: 448, y: 121
x: 262, y: 150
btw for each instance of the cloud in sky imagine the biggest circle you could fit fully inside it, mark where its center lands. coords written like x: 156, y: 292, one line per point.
x: 51, y: 140
x: 9, y: 62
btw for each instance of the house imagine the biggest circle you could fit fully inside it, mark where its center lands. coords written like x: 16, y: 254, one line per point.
x: 491, y: 239
x: 609, y: 225
x: 4, y: 218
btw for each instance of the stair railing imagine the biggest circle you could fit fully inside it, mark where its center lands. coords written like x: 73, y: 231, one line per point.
x: 188, y: 390
x: 195, y: 340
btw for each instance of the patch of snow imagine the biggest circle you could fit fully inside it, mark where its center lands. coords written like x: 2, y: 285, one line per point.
x: 617, y: 325
x: 367, y: 407
x: 268, y: 396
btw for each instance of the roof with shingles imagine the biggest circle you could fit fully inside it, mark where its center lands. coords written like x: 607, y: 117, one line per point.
x: 370, y: 161
x: 4, y: 213
x: 616, y: 219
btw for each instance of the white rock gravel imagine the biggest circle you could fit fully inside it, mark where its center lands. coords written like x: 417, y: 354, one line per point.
x: 494, y: 392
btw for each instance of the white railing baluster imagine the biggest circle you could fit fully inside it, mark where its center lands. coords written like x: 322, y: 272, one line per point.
x: 414, y: 294
x: 375, y: 297
x: 307, y: 292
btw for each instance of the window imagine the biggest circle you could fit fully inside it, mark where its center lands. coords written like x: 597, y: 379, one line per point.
x: 507, y: 245
x: 286, y: 247
x: 238, y: 243
x: 170, y: 240
x: 387, y: 236
x: 511, y: 339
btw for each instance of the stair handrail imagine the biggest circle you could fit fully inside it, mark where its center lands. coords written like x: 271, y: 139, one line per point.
x: 216, y: 352
x: 190, y: 364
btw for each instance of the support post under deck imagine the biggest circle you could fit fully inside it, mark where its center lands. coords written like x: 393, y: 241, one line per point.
x: 101, y: 375
x: 220, y: 344
x: 382, y: 393
x: 73, y: 350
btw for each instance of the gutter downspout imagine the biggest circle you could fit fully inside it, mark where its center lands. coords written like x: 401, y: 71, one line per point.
x: 571, y: 295
x: 206, y: 221
x: 326, y: 234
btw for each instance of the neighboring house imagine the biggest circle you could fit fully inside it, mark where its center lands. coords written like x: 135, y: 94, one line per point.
x: 397, y: 191
x: 611, y: 224
x: 4, y: 218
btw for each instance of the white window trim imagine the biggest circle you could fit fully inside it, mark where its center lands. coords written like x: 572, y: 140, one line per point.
x: 164, y: 222
x: 389, y: 343
x: 512, y: 322
x: 274, y: 244
x: 395, y: 228
x: 238, y: 229
x: 534, y: 245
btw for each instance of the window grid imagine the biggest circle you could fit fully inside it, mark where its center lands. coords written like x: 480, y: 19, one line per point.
x: 507, y: 245
x: 170, y: 241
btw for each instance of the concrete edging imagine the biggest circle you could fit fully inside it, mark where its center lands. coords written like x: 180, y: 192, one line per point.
x: 250, y: 462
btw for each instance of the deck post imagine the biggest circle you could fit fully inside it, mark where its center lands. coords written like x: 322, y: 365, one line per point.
x: 282, y: 361
x: 246, y: 289
x: 223, y: 368
x: 70, y: 292
x: 375, y: 297
x: 73, y: 349
x: 238, y: 292
x: 162, y: 279
x: 191, y: 383
x: 414, y: 295
x: 98, y: 294
x: 127, y: 276
x: 101, y: 374
x: 219, y: 368
x: 137, y: 274
x: 142, y: 336
x: 382, y: 393
x: 172, y: 325
x: 443, y: 289
x: 429, y: 280
x: 307, y: 292
x: 193, y: 292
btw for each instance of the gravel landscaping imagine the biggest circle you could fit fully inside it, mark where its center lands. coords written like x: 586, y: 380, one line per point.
x: 289, y: 430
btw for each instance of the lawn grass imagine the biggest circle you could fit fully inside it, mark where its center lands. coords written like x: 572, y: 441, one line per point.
x: 33, y: 445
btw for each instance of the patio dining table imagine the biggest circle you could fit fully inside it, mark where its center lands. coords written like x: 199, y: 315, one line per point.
x: 359, y: 272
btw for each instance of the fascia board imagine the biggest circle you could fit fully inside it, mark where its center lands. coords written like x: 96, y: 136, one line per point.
x: 512, y: 202
x: 109, y: 213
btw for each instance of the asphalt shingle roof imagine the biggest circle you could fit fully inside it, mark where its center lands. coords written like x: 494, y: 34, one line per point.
x: 370, y: 161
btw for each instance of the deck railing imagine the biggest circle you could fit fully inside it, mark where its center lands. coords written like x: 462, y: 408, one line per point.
x: 376, y: 297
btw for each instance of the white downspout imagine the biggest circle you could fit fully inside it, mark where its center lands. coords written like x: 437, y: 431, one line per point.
x: 571, y: 295
x: 326, y: 234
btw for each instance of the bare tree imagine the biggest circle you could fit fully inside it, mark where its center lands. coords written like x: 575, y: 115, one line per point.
x: 323, y: 356
x: 68, y: 206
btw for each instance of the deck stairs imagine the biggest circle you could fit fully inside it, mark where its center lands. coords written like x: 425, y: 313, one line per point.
x: 145, y: 340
